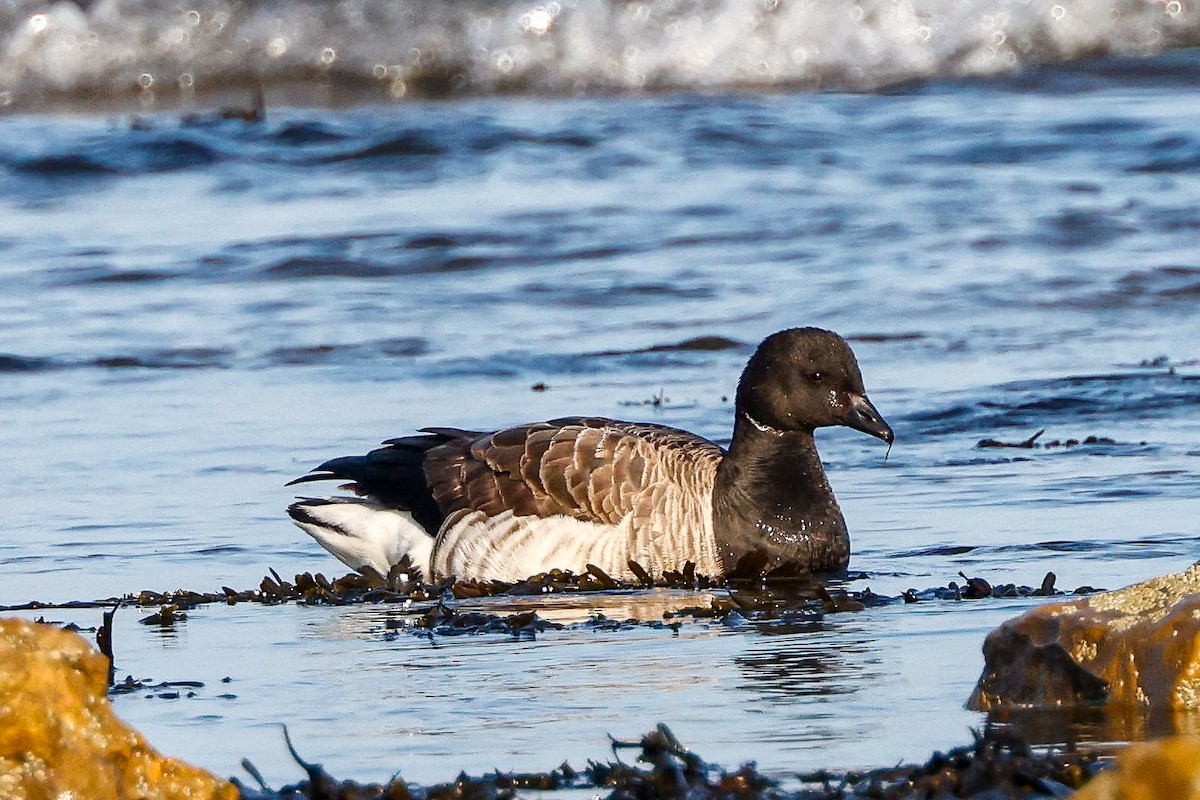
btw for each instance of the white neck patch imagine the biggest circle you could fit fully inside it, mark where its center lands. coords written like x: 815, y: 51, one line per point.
x: 761, y: 426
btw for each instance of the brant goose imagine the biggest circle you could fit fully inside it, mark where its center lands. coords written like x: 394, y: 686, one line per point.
x: 584, y: 490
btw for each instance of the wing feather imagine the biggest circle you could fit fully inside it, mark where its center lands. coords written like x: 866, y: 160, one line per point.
x: 554, y: 467
x: 591, y: 469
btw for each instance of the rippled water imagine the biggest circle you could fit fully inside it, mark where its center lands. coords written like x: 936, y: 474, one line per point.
x: 194, y: 310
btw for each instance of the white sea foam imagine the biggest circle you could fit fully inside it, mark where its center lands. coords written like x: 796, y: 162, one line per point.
x: 403, y: 47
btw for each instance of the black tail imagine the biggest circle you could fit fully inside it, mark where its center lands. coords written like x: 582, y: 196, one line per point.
x: 393, y: 474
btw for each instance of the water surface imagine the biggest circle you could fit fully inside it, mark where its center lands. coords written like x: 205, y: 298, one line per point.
x: 194, y: 310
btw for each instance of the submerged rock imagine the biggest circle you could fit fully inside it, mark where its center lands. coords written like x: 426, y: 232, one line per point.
x: 58, y: 734
x: 1167, y: 768
x: 1137, y: 646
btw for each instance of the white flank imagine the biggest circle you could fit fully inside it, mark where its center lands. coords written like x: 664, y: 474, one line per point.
x: 508, y: 547
x: 361, y: 533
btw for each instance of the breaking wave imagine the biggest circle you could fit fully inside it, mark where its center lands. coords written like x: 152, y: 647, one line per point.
x: 169, y: 52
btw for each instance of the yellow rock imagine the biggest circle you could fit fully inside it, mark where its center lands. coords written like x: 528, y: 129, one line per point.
x: 1137, y: 647
x: 59, y: 737
x: 1160, y: 770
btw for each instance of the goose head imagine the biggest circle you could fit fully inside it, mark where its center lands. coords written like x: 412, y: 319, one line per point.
x: 806, y: 378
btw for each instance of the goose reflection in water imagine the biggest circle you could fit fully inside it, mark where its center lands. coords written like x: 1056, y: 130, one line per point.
x: 808, y: 657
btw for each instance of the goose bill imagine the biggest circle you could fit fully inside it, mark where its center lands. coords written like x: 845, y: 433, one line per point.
x: 863, y: 417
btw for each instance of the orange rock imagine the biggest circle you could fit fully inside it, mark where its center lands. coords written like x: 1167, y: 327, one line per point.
x: 1134, y: 647
x: 59, y: 736
x: 1167, y: 768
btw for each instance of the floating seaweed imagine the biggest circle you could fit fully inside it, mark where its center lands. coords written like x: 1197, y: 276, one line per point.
x: 1027, y: 443
x: 165, y: 690
x: 445, y: 620
x: 433, y: 611
x: 1087, y: 440
x: 165, y: 617
x: 997, y: 765
x: 1032, y: 442
x: 104, y: 639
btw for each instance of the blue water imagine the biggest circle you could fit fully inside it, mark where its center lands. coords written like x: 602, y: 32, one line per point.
x: 194, y: 310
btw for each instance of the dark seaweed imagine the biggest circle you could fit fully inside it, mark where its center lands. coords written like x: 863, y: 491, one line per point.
x: 757, y: 602
x: 104, y: 639
x: 1032, y: 442
x: 997, y: 765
